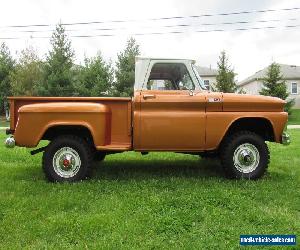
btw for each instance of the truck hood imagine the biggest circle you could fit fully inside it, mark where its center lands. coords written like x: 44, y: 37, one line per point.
x: 251, y: 103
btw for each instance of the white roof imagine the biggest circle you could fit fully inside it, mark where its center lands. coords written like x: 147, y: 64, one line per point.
x: 141, y: 58
x: 143, y: 64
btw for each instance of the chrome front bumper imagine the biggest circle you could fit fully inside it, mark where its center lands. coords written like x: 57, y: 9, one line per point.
x: 285, y: 138
x: 10, y: 142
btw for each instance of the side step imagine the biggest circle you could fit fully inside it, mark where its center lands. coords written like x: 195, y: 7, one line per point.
x: 39, y: 150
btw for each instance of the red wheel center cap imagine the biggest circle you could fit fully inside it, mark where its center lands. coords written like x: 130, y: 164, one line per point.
x: 66, y: 162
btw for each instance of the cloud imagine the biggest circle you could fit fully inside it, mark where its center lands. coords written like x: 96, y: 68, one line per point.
x: 248, y: 51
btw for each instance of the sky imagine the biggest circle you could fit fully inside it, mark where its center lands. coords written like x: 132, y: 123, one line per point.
x: 248, y: 50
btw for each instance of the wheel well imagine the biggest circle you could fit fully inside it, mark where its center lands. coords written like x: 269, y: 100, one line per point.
x: 260, y: 126
x: 81, y: 131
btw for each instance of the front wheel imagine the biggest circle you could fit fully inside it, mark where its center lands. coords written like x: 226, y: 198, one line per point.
x: 244, y: 155
x: 67, y: 158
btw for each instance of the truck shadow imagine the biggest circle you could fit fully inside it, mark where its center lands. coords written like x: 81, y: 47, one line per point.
x: 140, y: 169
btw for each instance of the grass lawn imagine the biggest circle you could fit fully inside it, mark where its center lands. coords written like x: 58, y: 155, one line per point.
x: 294, y: 118
x: 3, y: 122
x: 158, y: 201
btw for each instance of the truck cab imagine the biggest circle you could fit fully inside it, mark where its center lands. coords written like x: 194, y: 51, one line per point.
x: 171, y: 110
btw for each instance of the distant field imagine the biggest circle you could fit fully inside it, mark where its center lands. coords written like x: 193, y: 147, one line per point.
x: 157, y: 201
x: 294, y: 118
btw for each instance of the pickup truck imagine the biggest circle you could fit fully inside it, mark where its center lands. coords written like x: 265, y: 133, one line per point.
x: 171, y: 110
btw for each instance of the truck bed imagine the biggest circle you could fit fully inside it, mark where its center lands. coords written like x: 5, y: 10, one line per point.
x: 120, y: 108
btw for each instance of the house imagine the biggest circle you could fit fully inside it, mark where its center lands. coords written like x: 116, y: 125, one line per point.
x: 208, y: 76
x: 291, y: 73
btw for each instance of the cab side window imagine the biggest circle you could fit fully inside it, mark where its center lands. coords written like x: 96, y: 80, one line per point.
x: 170, y: 76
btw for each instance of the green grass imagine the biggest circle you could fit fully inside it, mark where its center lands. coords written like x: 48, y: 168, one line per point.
x: 294, y: 118
x: 3, y: 122
x: 158, y: 201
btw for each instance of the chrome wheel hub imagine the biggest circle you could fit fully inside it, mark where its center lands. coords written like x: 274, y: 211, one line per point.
x: 66, y: 162
x: 246, y: 158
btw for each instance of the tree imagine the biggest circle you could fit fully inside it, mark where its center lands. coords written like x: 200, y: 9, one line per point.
x: 28, y: 74
x: 6, y: 67
x: 59, y: 66
x: 274, y: 85
x: 95, y: 77
x: 225, y: 78
x: 126, y: 68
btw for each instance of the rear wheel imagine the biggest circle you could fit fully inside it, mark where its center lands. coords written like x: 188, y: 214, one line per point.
x: 67, y: 158
x: 244, y: 155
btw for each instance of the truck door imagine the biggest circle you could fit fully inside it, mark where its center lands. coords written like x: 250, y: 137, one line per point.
x: 172, y: 113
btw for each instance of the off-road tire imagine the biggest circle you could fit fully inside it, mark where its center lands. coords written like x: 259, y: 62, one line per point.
x: 80, y: 146
x: 231, y: 144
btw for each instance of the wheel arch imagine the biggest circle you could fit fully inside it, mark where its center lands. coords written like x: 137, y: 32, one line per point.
x: 82, y: 130
x: 258, y: 125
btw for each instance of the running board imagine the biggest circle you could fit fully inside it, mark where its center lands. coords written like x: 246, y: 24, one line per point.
x: 39, y: 150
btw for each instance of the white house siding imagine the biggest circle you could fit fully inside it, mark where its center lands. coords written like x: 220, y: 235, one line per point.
x: 255, y: 87
x: 291, y: 74
x: 211, y: 79
x: 208, y: 74
x: 296, y: 97
x: 252, y: 88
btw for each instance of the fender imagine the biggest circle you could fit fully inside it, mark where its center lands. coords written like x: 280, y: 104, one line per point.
x: 218, y: 123
x: 35, y: 119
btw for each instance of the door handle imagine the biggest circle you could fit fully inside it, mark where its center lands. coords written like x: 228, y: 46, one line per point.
x: 148, y: 96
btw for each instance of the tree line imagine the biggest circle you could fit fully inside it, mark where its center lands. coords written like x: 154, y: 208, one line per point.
x: 58, y: 75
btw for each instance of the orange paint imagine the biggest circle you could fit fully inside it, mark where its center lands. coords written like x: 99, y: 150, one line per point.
x: 168, y: 120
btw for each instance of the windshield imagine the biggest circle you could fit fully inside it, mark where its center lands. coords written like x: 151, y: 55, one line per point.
x: 201, y: 83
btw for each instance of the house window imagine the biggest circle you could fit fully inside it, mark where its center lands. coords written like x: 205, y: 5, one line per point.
x: 294, y: 88
x: 206, y: 84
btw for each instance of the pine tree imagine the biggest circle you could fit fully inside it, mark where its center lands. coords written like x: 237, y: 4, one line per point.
x: 274, y: 85
x: 59, y: 66
x: 126, y: 68
x: 6, y: 68
x: 95, y: 77
x: 28, y: 74
x: 225, y: 78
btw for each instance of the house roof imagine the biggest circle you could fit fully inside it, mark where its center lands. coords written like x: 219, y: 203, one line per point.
x: 289, y: 72
x: 204, y: 71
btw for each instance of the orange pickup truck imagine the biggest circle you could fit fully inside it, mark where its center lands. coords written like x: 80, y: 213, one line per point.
x: 171, y: 111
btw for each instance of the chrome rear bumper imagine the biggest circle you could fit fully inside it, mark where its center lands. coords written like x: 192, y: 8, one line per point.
x: 10, y: 142
x: 285, y: 138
